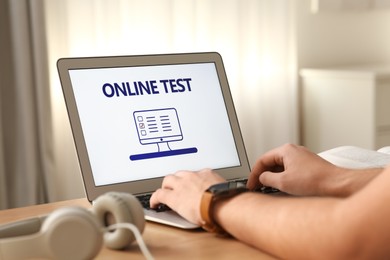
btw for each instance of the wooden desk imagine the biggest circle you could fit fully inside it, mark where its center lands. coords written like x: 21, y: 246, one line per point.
x: 164, y: 242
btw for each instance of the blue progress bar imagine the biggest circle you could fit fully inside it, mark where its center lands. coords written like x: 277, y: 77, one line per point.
x: 144, y: 156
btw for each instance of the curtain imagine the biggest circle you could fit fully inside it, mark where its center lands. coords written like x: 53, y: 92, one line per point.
x: 26, y: 157
x: 254, y: 37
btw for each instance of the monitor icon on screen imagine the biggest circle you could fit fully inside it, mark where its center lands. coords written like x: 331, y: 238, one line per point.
x: 159, y: 126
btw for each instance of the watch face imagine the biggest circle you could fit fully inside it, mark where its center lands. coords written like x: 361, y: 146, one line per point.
x: 225, y: 187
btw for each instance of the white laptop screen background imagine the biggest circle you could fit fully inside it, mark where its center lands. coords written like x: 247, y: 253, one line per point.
x: 191, y: 92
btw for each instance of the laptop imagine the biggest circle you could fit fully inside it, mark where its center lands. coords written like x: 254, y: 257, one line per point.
x: 136, y: 119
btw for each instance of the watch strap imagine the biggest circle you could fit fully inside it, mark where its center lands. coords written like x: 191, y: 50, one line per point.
x: 208, y: 201
x: 206, y: 214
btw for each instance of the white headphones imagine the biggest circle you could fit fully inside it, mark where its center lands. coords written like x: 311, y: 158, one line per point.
x: 74, y: 232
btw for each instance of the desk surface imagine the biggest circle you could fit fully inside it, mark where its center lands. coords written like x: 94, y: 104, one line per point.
x: 164, y: 242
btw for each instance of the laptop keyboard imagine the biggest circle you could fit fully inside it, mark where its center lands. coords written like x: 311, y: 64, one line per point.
x: 144, y: 199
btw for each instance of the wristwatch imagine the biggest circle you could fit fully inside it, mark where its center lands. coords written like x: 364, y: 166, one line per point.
x: 213, y: 194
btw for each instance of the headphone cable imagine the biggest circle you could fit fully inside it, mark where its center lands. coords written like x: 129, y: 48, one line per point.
x: 145, y: 251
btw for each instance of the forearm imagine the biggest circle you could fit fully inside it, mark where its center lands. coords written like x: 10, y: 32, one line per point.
x: 345, y: 182
x: 290, y: 227
x: 282, y: 226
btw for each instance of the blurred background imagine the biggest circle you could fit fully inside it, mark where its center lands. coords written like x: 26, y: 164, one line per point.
x: 311, y: 72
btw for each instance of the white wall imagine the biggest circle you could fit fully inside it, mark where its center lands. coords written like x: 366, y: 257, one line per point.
x: 342, y: 37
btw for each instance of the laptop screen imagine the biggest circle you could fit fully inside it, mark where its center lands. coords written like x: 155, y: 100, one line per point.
x: 136, y: 119
x: 145, y: 122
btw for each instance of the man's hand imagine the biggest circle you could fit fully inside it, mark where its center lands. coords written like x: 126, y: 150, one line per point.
x: 294, y: 170
x: 183, y: 191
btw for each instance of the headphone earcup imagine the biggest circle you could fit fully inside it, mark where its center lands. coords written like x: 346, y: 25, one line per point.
x: 117, y: 207
x: 137, y: 211
x: 71, y: 233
